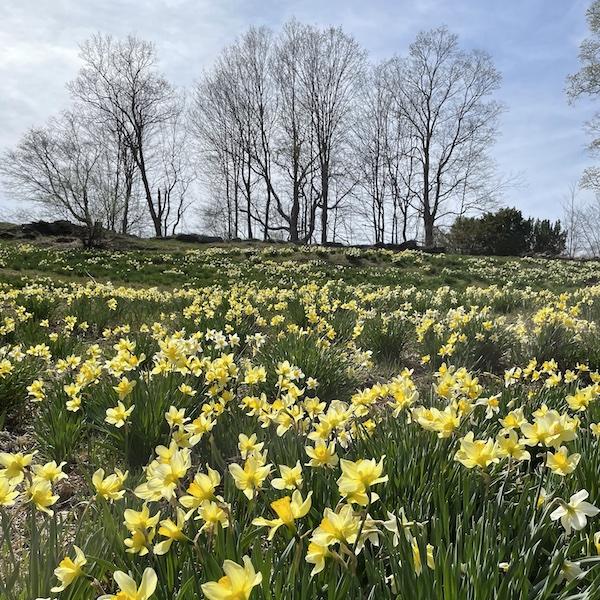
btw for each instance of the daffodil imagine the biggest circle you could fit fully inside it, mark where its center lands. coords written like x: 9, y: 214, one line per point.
x: 172, y: 531
x: 509, y: 445
x: 574, y: 514
x: 394, y: 523
x: 213, y: 514
x: 142, y: 528
x: 291, y: 477
x: 40, y: 493
x: 110, y: 487
x: 202, y: 488
x: 69, y: 570
x: 124, y: 388
x: 50, y: 471
x: 416, y: 553
x: 477, y: 453
x: 14, y: 465
x: 248, y: 445
x: 337, y: 527
x: 128, y: 588
x: 236, y: 584
x: 570, y: 570
x: 8, y: 492
x: 357, y: 479
x: 288, y: 510
x: 316, y: 555
x: 250, y: 478
x: 561, y: 463
x: 176, y: 417
x: 164, y: 475
x: 118, y: 415
x: 322, y: 455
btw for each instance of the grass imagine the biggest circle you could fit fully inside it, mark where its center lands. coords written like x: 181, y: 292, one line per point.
x: 394, y: 357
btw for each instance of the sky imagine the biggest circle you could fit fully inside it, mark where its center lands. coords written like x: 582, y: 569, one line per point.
x: 534, y: 44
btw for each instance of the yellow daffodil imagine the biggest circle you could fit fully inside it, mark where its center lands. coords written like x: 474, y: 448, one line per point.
x: 357, y: 479
x: 248, y: 445
x: 39, y: 492
x: 111, y: 487
x: 236, y: 584
x: 202, y: 488
x: 291, y: 477
x: 176, y: 417
x: 322, y: 455
x: 316, y: 555
x: 172, y: 531
x: 337, y: 527
x: 69, y: 570
x: 250, y: 478
x: 561, y: 463
x: 213, y: 514
x: 509, y: 445
x: 288, y: 510
x: 477, y: 453
x: 128, y: 588
x: 50, y: 471
x: 142, y: 528
x: 8, y: 493
x: 124, y: 388
x: 118, y: 415
x: 14, y: 465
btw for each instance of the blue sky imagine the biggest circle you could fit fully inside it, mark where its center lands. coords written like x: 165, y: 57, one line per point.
x: 534, y: 44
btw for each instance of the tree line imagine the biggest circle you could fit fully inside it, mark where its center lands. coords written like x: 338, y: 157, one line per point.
x: 290, y: 135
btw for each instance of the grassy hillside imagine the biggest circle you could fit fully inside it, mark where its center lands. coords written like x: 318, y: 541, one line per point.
x: 175, y: 264
x: 345, y: 424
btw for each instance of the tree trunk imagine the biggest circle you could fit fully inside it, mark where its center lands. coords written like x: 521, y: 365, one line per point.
x: 428, y: 222
x: 324, y: 201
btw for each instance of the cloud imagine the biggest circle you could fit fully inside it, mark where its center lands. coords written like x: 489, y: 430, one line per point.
x: 533, y: 43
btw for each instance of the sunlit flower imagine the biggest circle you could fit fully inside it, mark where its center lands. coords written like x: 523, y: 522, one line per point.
x: 288, y: 510
x: 129, y: 590
x: 172, y: 531
x: 110, y: 487
x: 291, y: 477
x: 236, y: 584
x: 322, y: 454
x: 477, y: 453
x: 251, y: 477
x: 69, y: 570
x: 8, y: 492
x: 357, y: 479
x: 561, y: 463
x: 574, y: 514
x: 118, y: 415
x: 14, y: 465
x: 40, y: 493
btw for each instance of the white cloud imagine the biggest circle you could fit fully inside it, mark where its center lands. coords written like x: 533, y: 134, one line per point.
x: 534, y: 44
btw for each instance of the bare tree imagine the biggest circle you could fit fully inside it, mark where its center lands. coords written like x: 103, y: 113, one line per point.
x: 331, y: 70
x: 117, y: 178
x: 58, y: 167
x: 444, y: 95
x: 371, y: 146
x: 571, y: 217
x: 173, y: 168
x: 294, y: 139
x: 216, y: 139
x: 586, y: 82
x: 122, y: 86
x: 587, y: 216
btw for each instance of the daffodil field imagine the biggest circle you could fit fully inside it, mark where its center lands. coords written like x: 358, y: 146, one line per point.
x: 278, y: 423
